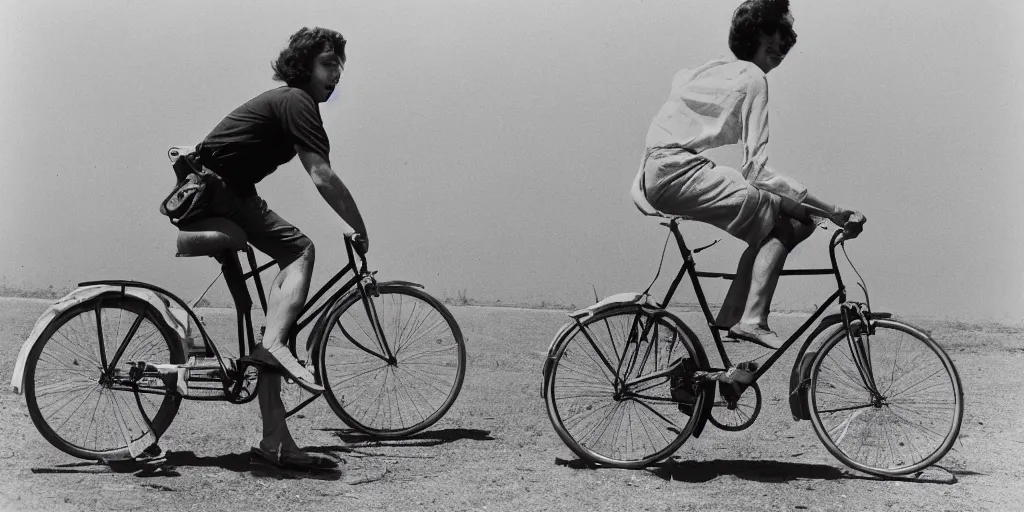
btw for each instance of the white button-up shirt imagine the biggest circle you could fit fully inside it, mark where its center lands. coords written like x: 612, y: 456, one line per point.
x: 720, y: 103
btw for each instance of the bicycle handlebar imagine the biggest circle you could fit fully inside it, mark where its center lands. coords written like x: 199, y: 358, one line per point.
x: 846, y: 233
x: 356, y: 242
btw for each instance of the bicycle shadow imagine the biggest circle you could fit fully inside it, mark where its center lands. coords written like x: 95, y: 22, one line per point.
x: 767, y: 471
x: 235, y: 462
x: 354, y: 439
x: 243, y: 463
x: 693, y: 471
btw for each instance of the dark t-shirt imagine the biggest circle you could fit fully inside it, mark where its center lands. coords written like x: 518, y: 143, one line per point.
x: 257, y: 137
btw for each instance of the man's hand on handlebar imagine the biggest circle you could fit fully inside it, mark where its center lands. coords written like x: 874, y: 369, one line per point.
x: 851, y: 221
x: 361, y: 243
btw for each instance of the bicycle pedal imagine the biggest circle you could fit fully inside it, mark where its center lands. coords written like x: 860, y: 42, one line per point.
x: 748, y: 366
x: 705, y: 376
x: 202, y: 363
x: 136, y: 371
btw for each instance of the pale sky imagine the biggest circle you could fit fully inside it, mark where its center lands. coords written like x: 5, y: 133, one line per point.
x: 490, y: 144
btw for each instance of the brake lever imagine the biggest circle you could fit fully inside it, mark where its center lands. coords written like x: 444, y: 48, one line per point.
x: 699, y: 249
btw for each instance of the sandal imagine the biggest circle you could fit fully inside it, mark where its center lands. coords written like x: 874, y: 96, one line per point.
x: 298, y: 461
x: 757, y: 335
x: 152, y: 457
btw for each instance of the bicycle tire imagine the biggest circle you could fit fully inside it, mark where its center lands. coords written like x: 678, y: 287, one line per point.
x: 581, y: 369
x: 883, y: 441
x: 115, y: 409
x: 375, y: 397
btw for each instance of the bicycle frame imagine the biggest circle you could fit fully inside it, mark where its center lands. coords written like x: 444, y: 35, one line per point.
x: 236, y: 282
x: 689, y: 266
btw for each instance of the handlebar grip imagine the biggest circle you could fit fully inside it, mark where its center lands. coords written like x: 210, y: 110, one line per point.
x: 848, y: 234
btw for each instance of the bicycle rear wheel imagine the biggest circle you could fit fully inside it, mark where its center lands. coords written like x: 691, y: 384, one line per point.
x: 621, y: 425
x: 888, y: 403
x: 402, y: 396
x: 69, y: 401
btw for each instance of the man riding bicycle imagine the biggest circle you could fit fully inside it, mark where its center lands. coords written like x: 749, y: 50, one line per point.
x: 723, y: 102
x: 246, y: 146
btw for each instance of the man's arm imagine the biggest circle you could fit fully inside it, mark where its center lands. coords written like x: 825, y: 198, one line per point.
x: 838, y: 215
x: 819, y: 207
x: 332, y: 189
x: 754, y: 136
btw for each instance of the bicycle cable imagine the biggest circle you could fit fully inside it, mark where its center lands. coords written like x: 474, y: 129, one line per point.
x: 862, y: 284
x: 207, y: 289
x: 660, y: 263
x: 823, y: 224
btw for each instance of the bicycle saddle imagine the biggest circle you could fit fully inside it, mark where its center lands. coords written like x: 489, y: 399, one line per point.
x: 639, y: 192
x: 210, y: 237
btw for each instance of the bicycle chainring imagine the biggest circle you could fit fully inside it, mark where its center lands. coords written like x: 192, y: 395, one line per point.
x: 738, y: 414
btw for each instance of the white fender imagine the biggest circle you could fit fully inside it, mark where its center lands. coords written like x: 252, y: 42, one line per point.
x: 170, y: 315
x: 608, y: 302
x: 619, y: 299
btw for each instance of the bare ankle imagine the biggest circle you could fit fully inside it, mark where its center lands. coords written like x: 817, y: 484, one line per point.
x: 753, y: 321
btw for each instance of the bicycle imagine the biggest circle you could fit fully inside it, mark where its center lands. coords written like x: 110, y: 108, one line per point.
x: 105, y: 378
x: 626, y: 382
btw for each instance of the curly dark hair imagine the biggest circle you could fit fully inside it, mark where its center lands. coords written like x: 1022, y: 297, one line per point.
x: 755, y: 17
x: 295, y: 64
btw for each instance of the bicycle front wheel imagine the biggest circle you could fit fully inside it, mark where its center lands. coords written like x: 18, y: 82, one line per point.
x: 888, y: 403
x: 72, y: 388
x: 609, y: 393
x: 393, y: 365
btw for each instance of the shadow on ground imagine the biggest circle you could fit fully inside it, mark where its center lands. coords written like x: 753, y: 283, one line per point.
x: 429, y: 438
x: 693, y: 471
x: 236, y: 462
x: 703, y: 471
x: 756, y: 470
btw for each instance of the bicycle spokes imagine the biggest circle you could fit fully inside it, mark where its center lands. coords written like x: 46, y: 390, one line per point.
x: 859, y: 343
x: 637, y: 338
x: 78, y: 384
x: 371, y: 335
x: 634, y: 352
x: 378, y: 332
x: 609, y: 393
x: 108, y: 369
x: 393, y: 363
x: 911, y: 416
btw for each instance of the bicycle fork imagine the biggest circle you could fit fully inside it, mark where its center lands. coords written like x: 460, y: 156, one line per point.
x: 367, y: 291
x: 860, y: 348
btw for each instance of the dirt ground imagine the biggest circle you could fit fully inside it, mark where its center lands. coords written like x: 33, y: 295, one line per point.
x: 496, y: 449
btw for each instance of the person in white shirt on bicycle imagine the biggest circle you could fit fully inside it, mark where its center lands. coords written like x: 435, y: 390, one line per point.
x: 723, y: 102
